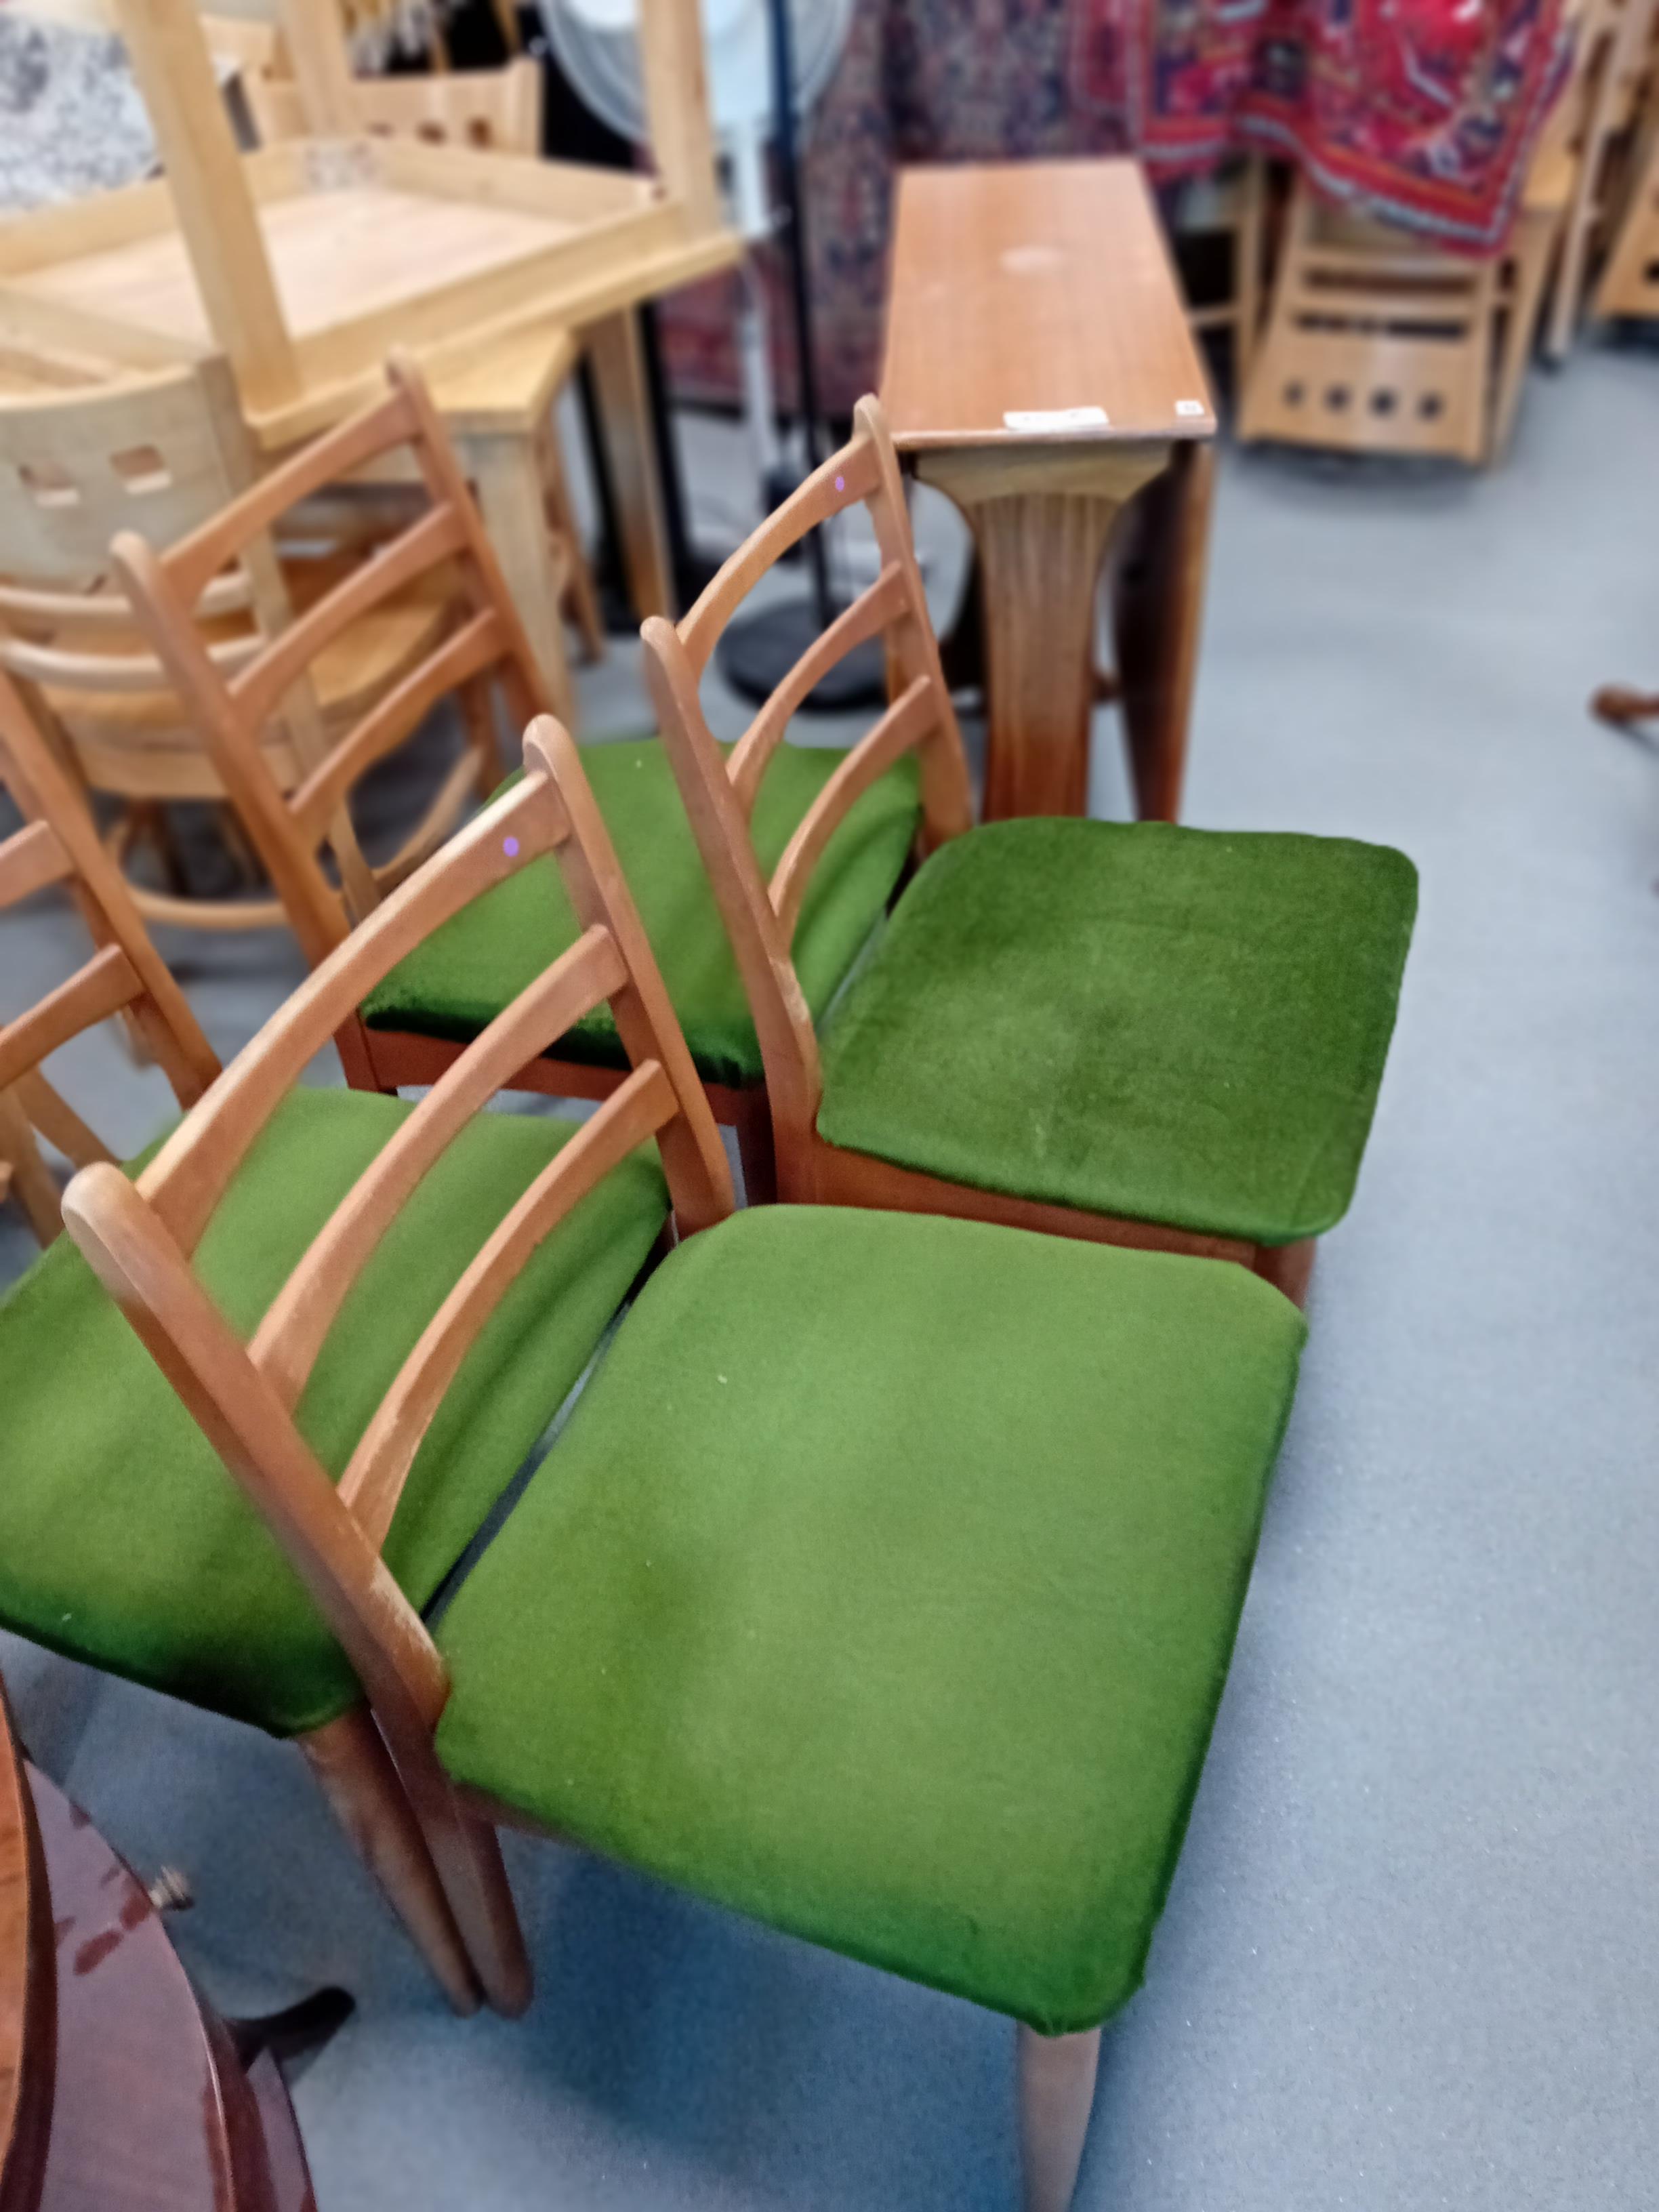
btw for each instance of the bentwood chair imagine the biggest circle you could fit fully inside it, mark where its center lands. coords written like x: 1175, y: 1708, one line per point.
x: 58, y: 846
x: 1140, y: 1034
x: 164, y: 453
x: 412, y: 1024
x: 881, y: 1585
x: 353, y: 1251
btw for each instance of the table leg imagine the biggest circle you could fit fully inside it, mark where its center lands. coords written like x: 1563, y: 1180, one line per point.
x: 1157, y: 617
x: 505, y: 471
x: 1043, y: 517
x: 617, y: 366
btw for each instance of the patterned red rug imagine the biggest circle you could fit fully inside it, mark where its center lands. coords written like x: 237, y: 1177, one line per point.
x: 1423, y: 112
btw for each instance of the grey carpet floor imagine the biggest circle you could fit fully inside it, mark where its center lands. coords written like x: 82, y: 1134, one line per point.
x: 1411, y: 1955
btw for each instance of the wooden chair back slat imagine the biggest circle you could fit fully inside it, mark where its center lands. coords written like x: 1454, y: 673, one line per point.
x: 107, y: 982
x: 870, y: 613
x: 290, y: 828
x: 496, y: 110
x: 469, y: 652
x: 193, y: 562
x: 124, y: 675
x: 720, y: 792
x: 910, y: 718
x: 59, y: 845
x: 30, y: 859
x: 374, y: 1481
x: 288, y: 1340
x: 848, y: 477
x: 95, y: 612
x: 189, y: 1175
x: 426, y: 545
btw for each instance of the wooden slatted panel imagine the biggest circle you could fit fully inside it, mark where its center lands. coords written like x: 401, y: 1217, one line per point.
x: 882, y: 603
x: 106, y: 983
x: 911, y: 717
x: 297, y: 1323
x: 478, y: 646
x: 374, y: 1481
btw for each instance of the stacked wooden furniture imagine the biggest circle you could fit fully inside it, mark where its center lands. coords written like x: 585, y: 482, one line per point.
x: 118, y: 2086
x: 504, y: 398
x: 1629, y: 283
x: 1231, y: 207
x: 1376, y: 343
x: 162, y: 454
x: 303, y: 261
x: 1616, y: 64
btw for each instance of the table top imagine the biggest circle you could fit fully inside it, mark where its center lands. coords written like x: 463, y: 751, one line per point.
x: 1037, y: 301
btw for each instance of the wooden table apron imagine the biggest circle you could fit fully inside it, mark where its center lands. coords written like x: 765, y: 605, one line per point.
x: 1065, y: 276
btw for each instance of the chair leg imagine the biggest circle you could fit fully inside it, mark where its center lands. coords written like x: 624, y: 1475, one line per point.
x: 1056, y: 2076
x: 754, y: 1134
x: 469, y: 1857
x: 354, y: 1772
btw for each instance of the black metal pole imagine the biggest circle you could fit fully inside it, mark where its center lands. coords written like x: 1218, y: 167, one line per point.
x: 792, y: 230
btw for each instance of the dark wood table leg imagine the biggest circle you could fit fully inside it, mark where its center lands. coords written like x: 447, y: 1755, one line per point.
x: 1157, y: 617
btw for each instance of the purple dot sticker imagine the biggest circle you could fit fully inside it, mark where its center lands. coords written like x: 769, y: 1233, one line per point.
x: 841, y: 484
x: 510, y: 847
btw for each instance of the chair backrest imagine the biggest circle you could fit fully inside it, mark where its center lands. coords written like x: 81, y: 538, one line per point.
x: 232, y: 699
x: 58, y: 844
x: 720, y: 791
x: 495, y: 111
x: 140, y: 1236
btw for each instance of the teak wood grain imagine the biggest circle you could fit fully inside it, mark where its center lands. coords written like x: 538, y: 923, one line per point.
x: 760, y: 916
x: 1045, y: 288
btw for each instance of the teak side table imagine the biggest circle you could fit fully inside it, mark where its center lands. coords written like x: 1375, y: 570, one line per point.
x: 1040, y: 370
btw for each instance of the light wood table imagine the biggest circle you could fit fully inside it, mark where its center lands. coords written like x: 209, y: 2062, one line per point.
x: 305, y: 262
x: 1040, y: 370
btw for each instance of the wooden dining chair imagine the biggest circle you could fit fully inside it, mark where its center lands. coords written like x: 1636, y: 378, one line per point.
x: 1139, y: 1033
x: 163, y: 454
x: 881, y: 1585
x: 414, y: 1023
x: 336, y: 1233
x: 58, y: 849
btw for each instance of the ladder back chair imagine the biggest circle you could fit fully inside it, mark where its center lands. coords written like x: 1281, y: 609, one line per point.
x: 766, y: 1621
x: 163, y: 455
x: 413, y: 1026
x: 356, y: 1257
x: 59, y: 847
x: 1047, y: 1033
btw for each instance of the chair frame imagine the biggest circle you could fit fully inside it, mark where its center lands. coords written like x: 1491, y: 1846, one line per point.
x: 231, y: 710
x: 167, y: 451
x: 59, y: 845
x: 139, y: 1239
x: 760, y: 917
x: 140, y: 1236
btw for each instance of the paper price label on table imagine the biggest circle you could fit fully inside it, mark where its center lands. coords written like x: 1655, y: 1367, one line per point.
x: 1053, y: 422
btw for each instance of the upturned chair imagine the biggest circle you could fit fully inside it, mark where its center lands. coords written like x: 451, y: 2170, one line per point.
x: 1141, y: 1034
x: 356, y: 1250
x: 414, y: 1021
x: 58, y: 846
x: 164, y: 454
x: 881, y: 1585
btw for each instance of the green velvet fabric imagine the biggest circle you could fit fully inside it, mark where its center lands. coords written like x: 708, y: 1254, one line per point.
x: 463, y: 975
x: 883, y: 1587
x: 1185, y: 1026
x: 124, y: 1541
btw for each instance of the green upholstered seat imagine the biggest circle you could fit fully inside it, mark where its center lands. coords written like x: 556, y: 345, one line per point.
x: 465, y: 973
x: 1184, y: 1026
x: 124, y: 1542
x: 883, y: 1587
